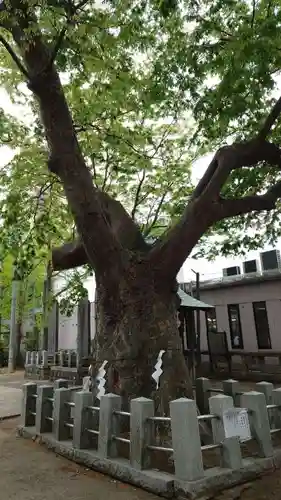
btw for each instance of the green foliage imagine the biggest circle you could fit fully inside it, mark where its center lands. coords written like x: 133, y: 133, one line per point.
x: 151, y: 85
x: 30, y: 294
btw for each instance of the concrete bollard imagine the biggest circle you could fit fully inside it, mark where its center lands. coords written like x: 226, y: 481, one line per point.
x: 44, y: 409
x: 258, y: 415
x: 61, y: 413
x: 108, y: 425
x: 28, y: 409
x: 266, y: 388
x: 38, y: 358
x: 231, y: 456
x: 33, y: 358
x: 83, y: 420
x: 60, y: 382
x: 45, y: 359
x: 276, y: 414
x: 186, y: 440
x: 61, y: 358
x: 141, y: 432
x: 218, y: 405
x: 232, y: 388
x: 202, y: 388
x: 27, y: 358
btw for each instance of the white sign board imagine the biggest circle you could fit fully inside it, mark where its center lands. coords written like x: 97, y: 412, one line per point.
x: 236, y: 423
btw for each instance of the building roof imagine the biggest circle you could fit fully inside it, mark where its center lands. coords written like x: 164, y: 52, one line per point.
x: 240, y: 280
x: 191, y: 302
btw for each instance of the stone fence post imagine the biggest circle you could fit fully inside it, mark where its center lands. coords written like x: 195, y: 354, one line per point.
x: 108, y: 425
x: 258, y: 415
x: 141, y: 432
x: 61, y: 413
x: 60, y: 382
x: 83, y: 418
x: 45, y: 359
x: 232, y: 388
x: 27, y: 358
x: 218, y: 405
x: 44, y: 409
x: 266, y: 388
x: 186, y: 440
x: 33, y: 358
x: 276, y: 414
x: 28, y: 410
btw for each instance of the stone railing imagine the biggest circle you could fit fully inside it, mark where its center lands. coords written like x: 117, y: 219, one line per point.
x: 41, y: 365
x: 71, y: 423
x: 37, y: 365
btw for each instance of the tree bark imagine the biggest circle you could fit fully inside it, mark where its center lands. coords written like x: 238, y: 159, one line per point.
x: 132, y: 328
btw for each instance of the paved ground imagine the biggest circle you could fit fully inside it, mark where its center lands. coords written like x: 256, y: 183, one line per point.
x: 30, y: 472
x: 10, y: 394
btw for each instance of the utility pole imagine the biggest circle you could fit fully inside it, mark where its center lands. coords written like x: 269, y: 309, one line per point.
x: 13, y: 322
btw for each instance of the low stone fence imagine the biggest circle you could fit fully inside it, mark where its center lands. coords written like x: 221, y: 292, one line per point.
x: 41, y: 365
x: 37, y: 365
x: 88, y: 431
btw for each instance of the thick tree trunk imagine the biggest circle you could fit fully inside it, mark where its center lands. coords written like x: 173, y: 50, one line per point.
x: 133, y: 326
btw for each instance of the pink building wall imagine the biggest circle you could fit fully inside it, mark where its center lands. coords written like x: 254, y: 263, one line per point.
x: 245, y: 295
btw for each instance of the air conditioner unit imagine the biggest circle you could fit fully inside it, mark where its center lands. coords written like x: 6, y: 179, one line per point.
x: 231, y: 271
x: 251, y: 266
x: 270, y: 260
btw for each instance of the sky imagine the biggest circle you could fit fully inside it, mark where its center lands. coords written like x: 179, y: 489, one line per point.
x: 208, y: 270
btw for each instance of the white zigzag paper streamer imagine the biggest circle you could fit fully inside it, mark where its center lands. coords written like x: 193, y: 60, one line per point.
x: 101, y: 380
x: 158, y: 368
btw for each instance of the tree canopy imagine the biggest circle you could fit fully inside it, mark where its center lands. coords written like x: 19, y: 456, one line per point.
x: 151, y: 87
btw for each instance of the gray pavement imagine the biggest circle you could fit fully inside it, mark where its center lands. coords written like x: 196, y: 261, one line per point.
x: 30, y: 472
x: 10, y: 394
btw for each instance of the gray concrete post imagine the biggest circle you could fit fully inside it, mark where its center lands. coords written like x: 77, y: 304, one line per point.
x: 141, y: 432
x: 258, y: 415
x: 231, y: 456
x: 37, y: 358
x: 266, y: 388
x: 44, y: 409
x: 27, y: 358
x: 276, y: 414
x: 29, y: 392
x: 202, y: 388
x: 61, y: 358
x: 218, y: 405
x: 186, y: 440
x: 33, y: 358
x: 108, y: 425
x: 60, y: 382
x: 45, y: 359
x: 83, y: 419
x: 61, y: 413
x: 232, y: 388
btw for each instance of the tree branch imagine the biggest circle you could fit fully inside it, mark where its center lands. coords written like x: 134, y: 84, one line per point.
x: 270, y: 120
x: 137, y: 197
x: 57, y: 46
x: 14, y: 57
x: 235, y: 207
x: 123, y: 227
x: 66, y: 160
x: 206, y: 206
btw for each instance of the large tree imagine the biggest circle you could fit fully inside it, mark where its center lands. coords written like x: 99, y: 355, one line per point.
x: 190, y: 56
